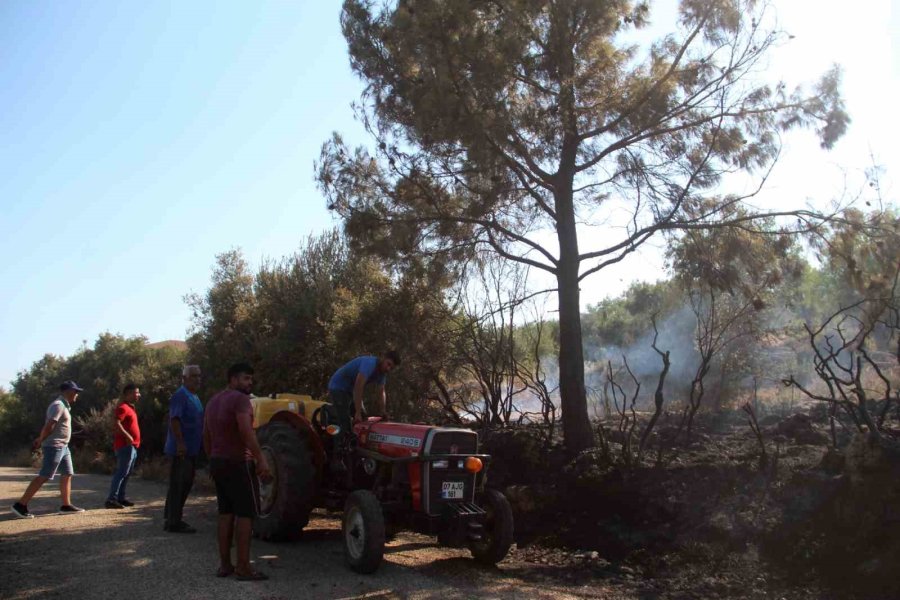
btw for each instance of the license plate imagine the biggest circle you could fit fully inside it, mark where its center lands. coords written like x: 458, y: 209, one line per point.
x: 452, y: 490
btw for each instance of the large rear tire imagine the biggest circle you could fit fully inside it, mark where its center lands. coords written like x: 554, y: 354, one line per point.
x: 497, y: 535
x: 287, y: 500
x: 363, y: 529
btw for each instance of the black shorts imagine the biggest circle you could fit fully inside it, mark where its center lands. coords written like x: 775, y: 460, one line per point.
x: 237, y: 487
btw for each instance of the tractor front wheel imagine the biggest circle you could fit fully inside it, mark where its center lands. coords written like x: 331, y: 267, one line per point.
x: 497, y: 533
x: 363, y: 529
x: 287, y: 499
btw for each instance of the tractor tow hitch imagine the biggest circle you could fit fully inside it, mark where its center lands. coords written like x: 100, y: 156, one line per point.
x: 461, y: 524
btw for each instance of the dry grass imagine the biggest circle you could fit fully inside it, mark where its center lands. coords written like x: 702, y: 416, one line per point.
x: 155, y: 468
x: 203, y: 482
x: 91, y: 461
x: 23, y: 458
x: 83, y: 459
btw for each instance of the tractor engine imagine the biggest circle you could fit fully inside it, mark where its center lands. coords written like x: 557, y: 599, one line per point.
x: 437, y: 462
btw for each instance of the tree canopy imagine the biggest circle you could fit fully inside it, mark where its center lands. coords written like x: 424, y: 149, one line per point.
x: 102, y: 370
x: 497, y: 121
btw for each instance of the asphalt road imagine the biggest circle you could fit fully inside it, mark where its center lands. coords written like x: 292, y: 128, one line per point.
x: 125, y: 554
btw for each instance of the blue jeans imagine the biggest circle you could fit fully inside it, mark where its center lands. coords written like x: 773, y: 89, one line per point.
x: 125, y: 458
x: 56, y: 460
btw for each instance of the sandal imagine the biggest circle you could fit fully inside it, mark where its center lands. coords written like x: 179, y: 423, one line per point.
x: 252, y: 576
x: 224, y: 572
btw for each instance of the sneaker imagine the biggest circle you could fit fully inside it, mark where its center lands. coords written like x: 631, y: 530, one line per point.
x: 126, y: 503
x: 21, y: 511
x: 66, y: 509
x: 181, y: 528
x: 113, y: 504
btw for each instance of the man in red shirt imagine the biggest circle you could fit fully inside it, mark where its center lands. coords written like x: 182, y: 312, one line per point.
x: 235, y: 463
x: 126, y: 441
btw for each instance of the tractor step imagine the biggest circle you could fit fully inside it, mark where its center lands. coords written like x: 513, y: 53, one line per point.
x: 461, y: 524
x: 464, y: 509
x: 476, y: 531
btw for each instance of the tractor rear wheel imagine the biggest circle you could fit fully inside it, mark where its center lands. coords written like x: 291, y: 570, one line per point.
x: 363, y: 529
x: 497, y: 535
x: 287, y: 500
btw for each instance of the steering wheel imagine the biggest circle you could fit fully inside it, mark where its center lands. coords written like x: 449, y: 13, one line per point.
x: 324, y: 416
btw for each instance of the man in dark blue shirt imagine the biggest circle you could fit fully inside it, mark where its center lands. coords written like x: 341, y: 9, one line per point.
x: 345, y: 392
x: 183, y: 443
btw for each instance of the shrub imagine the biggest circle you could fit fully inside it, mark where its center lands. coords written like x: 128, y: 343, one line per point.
x: 15, y: 429
x: 155, y: 468
x: 517, y: 454
x: 22, y: 458
x: 97, y: 428
x: 87, y: 460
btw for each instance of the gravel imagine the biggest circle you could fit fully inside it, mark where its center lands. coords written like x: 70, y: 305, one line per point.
x: 125, y: 554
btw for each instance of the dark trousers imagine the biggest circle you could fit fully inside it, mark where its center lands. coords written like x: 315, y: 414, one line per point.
x: 181, y: 479
x: 343, y: 407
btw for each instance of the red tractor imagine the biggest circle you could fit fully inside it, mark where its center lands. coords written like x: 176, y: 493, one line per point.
x: 397, y: 476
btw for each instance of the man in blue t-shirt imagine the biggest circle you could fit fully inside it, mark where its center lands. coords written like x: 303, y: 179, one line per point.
x: 183, y: 443
x: 345, y: 392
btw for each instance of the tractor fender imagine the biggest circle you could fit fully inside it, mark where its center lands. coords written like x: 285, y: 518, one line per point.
x: 301, y: 424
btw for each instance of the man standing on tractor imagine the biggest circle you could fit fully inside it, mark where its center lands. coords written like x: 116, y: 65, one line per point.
x: 230, y: 443
x: 345, y: 393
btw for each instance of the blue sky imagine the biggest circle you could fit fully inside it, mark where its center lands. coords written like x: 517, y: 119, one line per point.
x: 140, y: 139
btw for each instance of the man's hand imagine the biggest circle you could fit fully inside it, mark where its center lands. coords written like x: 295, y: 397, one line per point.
x: 385, y: 417
x: 180, y: 448
x: 357, y: 418
x: 262, y: 471
x: 35, y: 444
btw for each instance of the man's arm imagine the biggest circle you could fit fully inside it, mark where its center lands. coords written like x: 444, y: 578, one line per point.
x: 358, y: 386
x: 122, y: 430
x: 44, y: 434
x: 245, y: 427
x: 176, y: 408
x: 180, y: 447
x: 207, y: 441
x: 381, y: 401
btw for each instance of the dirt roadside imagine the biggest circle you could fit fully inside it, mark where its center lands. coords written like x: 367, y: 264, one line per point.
x: 125, y: 554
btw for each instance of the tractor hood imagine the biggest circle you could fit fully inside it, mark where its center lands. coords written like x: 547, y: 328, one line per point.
x: 402, y: 440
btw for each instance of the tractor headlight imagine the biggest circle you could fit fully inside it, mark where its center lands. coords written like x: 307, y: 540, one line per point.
x: 474, y: 464
x: 333, y: 429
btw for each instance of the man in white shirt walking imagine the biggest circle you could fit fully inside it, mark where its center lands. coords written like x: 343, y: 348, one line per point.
x: 54, y: 443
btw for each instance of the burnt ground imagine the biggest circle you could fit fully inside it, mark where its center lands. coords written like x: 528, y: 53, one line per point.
x: 710, y: 520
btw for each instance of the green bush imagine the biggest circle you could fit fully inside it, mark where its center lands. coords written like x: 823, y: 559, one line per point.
x: 102, y: 371
x: 153, y: 468
x: 14, y: 426
x: 87, y: 460
x: 97, y: 427
x: 23, y: 458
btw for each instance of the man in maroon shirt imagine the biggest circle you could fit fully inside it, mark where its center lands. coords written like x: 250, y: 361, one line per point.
x: 230, y: 443
x: 126, y: 441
